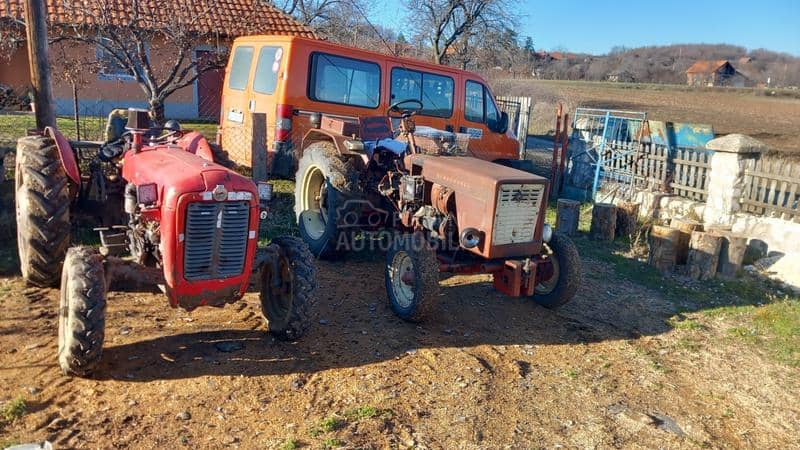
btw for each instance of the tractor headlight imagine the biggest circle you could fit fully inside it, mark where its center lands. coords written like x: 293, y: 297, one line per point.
x: 147, y: 194
x: 547, y: 233
x: 470, y: 238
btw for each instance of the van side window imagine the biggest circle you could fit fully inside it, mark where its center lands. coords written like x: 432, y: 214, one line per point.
x: 473, y: 106
x: 240, y: 68
x: 434, y: 91
x: 267, y: 67
x: 335, y: 79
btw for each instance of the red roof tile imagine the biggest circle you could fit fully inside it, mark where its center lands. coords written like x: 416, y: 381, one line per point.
x: 705, y: 66
x: 229, y: 18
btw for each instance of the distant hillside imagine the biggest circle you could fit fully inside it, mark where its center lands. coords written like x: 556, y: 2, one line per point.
x: 668, y: 64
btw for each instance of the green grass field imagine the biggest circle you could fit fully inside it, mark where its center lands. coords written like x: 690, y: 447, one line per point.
x: 14, y: 126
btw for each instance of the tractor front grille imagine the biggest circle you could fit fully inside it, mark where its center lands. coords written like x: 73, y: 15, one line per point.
x: 215, y: 243
x: 517, y: 212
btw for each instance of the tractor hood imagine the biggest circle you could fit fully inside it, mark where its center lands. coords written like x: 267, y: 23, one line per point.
x: 505, y: 205
x: 469, y: 175
x: 175, y: 172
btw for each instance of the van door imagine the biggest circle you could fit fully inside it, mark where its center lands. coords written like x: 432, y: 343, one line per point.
x: 235, y: 121
x: 266, y: 88
x: 481, y: 118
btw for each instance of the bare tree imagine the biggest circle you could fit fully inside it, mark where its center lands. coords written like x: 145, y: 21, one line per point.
x: 12, y: 37
x: 446, y: 23
x: 153, y: 47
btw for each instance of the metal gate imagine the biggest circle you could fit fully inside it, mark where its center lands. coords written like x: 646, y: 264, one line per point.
x: 605, y: 138
x: 519, y: 116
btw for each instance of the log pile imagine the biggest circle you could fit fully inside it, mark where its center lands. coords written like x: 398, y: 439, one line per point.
x: 685, y: 227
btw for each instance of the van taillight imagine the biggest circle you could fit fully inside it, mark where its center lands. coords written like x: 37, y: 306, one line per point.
x: 283, y: 122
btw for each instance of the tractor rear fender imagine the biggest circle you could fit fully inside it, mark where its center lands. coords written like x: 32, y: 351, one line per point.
x: 66, y: 153
x: 339, y: 141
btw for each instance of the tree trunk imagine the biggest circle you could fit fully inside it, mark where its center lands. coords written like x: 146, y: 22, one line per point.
x: 75, y: 111
x: 663, y: 241
x: 685, y: 227
x: 703, y: 255
x: 568, y: 215
x: 604, y: 222
x: 627, y: 218
x: 157, y: 111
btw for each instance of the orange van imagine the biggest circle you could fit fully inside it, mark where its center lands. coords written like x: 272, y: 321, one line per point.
x: 288, y: 78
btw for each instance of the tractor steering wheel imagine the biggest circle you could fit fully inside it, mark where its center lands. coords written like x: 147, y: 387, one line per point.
x: 405, y: 108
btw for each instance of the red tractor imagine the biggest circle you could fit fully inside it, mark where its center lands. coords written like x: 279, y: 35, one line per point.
x: 191, y: 230
x: 454, y: 213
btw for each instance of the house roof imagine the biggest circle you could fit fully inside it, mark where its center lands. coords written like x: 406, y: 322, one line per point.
x: 706, y: 66
x: 229, y: 18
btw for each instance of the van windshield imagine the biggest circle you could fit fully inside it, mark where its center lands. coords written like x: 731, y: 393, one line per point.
x: 343, y: 80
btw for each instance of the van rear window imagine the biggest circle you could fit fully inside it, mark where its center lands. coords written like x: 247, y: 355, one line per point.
x: 434, y: 91
x: 346, y: 81
x: 267, y: 67
x: 240, y: 68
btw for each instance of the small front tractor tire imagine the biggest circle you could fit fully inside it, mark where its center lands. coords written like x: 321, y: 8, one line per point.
x: 288, y: 302
x: 326, y: 182
x: 412, y: 277
x: 82, y: 314
x: 566, y: 279
x: 42, y: 202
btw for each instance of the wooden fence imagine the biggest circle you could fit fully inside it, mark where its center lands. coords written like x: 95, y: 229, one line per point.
x: 682, y: 171
x: 772, y: 188
x: 690, y: 172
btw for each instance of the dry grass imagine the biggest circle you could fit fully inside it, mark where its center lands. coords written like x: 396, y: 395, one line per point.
x: 773, y: 120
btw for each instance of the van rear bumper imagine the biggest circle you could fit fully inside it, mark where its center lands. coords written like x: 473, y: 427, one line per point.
x: 281, y: 160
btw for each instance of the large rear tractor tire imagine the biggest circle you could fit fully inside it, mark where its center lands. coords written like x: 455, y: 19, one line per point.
x: 288, y: 297
x: 82, y: 314
x: 326, y: 185
x: 562, y: 286
x: 412, y: 278
x: 42, y: 201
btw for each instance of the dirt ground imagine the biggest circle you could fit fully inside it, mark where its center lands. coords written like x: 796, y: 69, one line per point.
x: 609, y: 369
x: 773, y: 120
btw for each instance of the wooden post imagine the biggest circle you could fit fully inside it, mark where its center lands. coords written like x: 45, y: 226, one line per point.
x: 36, y: 34
x: 663, y: 242
x: 564, y: 148
x: 258, y: 146
x: 703, y: 255
x: 627, y: 218
x: 685, y: 227
x: 604, y: 222
x: 568, y: 213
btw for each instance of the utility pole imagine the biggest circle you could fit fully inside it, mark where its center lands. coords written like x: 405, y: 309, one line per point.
x: 36, y: 33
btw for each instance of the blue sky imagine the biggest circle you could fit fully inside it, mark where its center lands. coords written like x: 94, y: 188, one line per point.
x: 595, y: 27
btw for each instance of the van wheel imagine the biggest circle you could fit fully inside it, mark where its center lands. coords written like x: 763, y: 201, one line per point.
x: 562, y: 286
x: 326, y: 185
x: 42, y: 200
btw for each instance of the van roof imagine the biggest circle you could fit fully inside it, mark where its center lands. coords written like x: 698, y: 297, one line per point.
x: 355, y: 52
